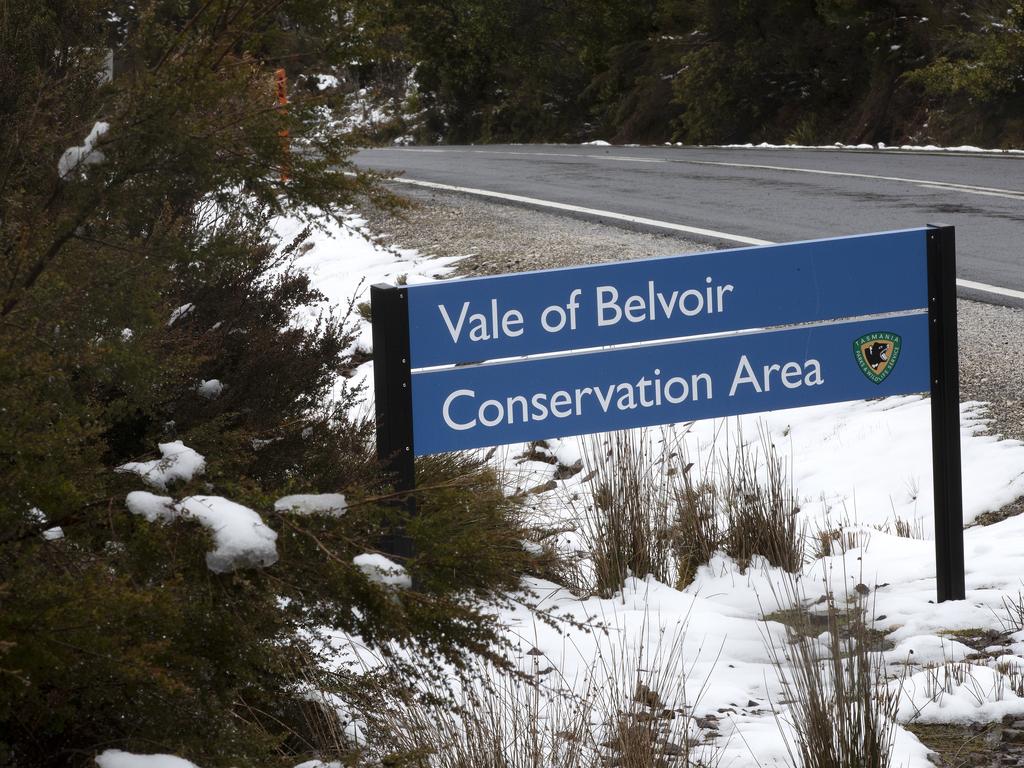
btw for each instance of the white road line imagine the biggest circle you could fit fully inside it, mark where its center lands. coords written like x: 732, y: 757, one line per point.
x: 622, y: 159
x: 575, y: 155
x: 986, y: 288
x: 851, y: 174
x: 971, y: 191
x: 969, y: 284
x: 589, y: 211
x: 997, y: 191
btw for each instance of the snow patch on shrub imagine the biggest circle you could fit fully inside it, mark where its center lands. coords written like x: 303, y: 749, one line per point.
x: 332, y: 504
x: 210, y: 389
x: 381, y: 570
x: 36, y: 515
x: 241, y: 537
x: 87, y: 154
x: 183, y: 311
x: 115, y: 758
x: 179, y: 462
x: 151, y: 506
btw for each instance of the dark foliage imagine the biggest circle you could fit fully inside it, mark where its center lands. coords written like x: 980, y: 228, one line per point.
x: 703, y: 71
x: 118, y: 635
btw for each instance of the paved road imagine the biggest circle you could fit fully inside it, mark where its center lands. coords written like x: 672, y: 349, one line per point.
x: 747, y: 195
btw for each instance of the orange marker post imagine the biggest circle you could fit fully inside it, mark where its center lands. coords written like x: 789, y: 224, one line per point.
x: 281, y: 79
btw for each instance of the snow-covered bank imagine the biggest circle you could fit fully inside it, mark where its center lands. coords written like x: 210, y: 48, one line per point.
x: 879, y: 147
x: 860, y: 465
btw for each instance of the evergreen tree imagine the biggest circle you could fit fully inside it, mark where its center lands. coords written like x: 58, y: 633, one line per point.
x: 133, y: 268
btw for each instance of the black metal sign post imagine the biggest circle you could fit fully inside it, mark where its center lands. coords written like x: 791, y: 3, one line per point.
x: 945, y: 402
x: 392, y: 389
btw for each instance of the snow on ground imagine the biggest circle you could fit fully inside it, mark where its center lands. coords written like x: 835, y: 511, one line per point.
x: 371, y: 110
x: 869, y: 463
x: 343, y: 262
x: 859, y: 465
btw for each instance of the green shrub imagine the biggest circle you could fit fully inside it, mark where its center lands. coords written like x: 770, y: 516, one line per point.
x: 117, y: 635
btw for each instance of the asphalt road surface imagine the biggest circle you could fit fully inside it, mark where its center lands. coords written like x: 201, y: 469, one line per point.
x: 746, y: 196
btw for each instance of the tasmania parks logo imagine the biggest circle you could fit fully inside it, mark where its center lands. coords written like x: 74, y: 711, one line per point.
x: 877, y: 354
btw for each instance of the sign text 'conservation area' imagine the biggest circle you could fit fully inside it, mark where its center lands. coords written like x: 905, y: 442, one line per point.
x: 545, y: 354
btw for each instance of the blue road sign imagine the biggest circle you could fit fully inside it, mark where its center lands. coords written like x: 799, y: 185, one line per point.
x: 529, y: 313
x: 516, y: 401
x: 665, y: 340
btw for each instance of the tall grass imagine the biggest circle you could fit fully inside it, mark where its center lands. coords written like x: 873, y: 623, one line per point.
x: 842, y: 712
x: 650, y: 511
x: 744, y: 506
x: 627, y: 519
x: 646, y: 707
x: 696, y: 530
x: 498, y: 721
x: 760, y: 512
x: 1012, y: 617
x: 631, y: 711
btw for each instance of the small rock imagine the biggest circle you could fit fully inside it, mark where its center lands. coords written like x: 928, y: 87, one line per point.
x: 649, y: 698
x: 550, y: 485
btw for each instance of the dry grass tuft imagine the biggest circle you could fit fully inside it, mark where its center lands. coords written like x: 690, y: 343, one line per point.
x: 632, y: 712
x: 627, y: 519
x: 650, y: 511
x: 745, y: 506
x: 761, y: 514
x: 842, y: 711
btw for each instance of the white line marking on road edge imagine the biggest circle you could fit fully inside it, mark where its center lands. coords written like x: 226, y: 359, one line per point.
x: 589, y: 211
x: 969, y: 284
x: 947, y: 188
x: 995, y: 191
x: 850, y: 174
x: 986, y: 288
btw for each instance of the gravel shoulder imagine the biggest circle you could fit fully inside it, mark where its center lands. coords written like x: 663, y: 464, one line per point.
x: 496, y: 238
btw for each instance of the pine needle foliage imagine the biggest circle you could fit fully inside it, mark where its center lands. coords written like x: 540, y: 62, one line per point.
x: 812, y: 72
x: 132, y: 270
